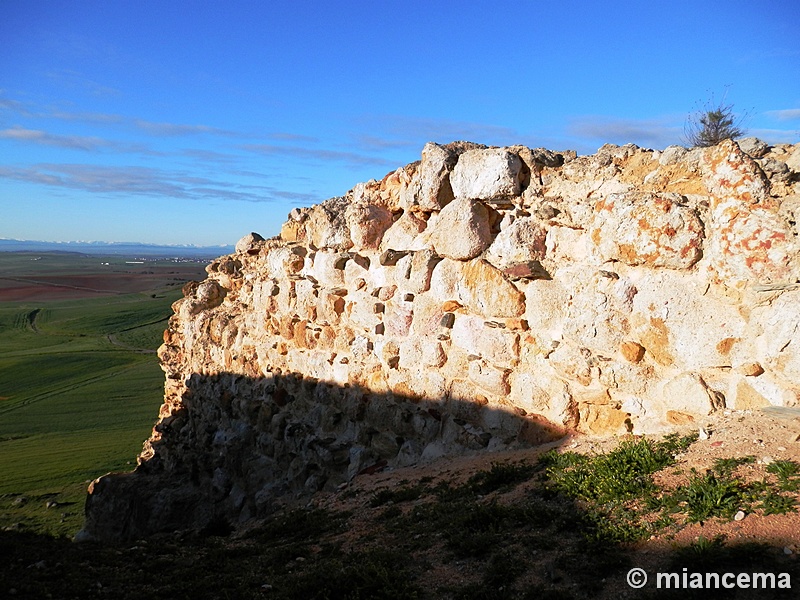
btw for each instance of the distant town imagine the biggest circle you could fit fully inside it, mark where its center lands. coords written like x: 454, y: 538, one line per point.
x: 134, y: 251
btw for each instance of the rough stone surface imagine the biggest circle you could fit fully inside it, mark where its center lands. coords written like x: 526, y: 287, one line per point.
x: 486, y: 174
x: 627, y: 291
x: 749, y: 241
x: 647, y: 229
x: 434, y: 190
x: 462, y: 230
x: 521, y: 242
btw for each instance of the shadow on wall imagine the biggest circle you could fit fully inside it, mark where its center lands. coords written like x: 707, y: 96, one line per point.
x: 238, y: 447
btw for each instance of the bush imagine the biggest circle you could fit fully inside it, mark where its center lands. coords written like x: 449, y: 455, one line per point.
x: 712, y: 124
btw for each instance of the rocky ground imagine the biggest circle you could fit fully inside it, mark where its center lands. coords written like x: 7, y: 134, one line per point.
x: 487, y: 526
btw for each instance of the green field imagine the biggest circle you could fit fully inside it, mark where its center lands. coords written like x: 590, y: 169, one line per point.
x: 80, y: 383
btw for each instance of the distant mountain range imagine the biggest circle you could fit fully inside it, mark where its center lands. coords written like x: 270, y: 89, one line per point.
x: 116, y: 248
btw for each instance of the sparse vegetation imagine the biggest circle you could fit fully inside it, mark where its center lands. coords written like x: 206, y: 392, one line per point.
x: 514, y: 530
x: 713, y: 123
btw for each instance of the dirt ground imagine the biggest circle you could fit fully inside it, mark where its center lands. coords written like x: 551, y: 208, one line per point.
x: 767, y: 435
x: 45, y: 288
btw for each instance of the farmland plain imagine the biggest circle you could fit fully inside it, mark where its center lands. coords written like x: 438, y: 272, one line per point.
x: 80, y: 383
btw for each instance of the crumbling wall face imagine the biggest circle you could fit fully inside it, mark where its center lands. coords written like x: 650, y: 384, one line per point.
x: 480, y: 298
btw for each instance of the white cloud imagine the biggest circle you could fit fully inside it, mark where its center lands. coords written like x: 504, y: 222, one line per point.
x: 787, y: 114
x: 144, y: 181
x: 653, y: 133
x: 316, y: 154
x: 72, y: 142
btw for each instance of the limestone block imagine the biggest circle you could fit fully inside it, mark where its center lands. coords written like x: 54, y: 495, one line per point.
x: 486, y: 174
x: 598, y: 313
x: 749, y: 242
x: 329, y: 307
x: 404, y: 233
x: 445, y: 279
x: 209, y: 294
x: 572, y: 363
x: 603, y: 420
x: 497, y: 346
x: 417, y: 279
x: 421, y: 351
x: 745, y: 397
x: 672, y: 155
x: 434, y: 191
x: 679, y: 324
x: 428, y: 315
x: 397, y: 189
x: 793, y: 161
x: 462, y: 230
x: 283, y: 261
x: 688, y: 394
x: 729, y: 173
x: 751, y: 246
x: 647, y: 229
x: 307, y: 298
x: 249, y: 244
x: 397, y: 320
x: 292, y: 231
x: 326, y: 226
x: 367, y: 224
x: 356, y: 270
x: 753, y: 146
x: 485, y: 291
x: 360, y: 310
x: 428, y: 384
x: 777, y: 341
x: 522, y: 241
x: 490, y: 379
x: 542, y: 394
x: 544, y: 312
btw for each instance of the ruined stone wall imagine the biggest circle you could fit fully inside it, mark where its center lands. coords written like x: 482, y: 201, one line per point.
x: 480, y: 298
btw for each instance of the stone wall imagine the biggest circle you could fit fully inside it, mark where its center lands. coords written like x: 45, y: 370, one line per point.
x: 478, y: 299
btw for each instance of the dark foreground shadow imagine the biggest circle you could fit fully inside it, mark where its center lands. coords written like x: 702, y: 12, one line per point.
x: 238, y: 447
x: 237, y: 521
x: 450, y: 541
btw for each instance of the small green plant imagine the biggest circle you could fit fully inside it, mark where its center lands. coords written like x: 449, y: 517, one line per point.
x: 622, y: 474
x: 713, y: 123
x: 617, y: 525
x: 404, y: 494
x: 704, y: 547
x: 500, y: 476
x: 710, y: 495
x: 787, y: 473
x: 774, y: 503
x: 726, y: 466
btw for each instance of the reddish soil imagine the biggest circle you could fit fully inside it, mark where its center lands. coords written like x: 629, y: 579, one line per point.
x: 731, y: 434
x: 43, y: 288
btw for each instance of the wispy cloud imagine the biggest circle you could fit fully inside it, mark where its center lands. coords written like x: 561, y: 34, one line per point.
x: 84, y: 117
x: 73, y: 142
x: 13, y: 105
x: 144, y: 181
x: 74, y: 79
x: 316, y: 154
x: 788, y: 114
x: 775, y: 136
x: 210, y: 156
x: 372, y: 142
x: 416, y: 131
x: 179, y: 129
x: 292, y: 137
x: 644, y: 132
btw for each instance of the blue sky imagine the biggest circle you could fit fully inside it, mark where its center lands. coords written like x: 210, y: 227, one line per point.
x: 197, y: 122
